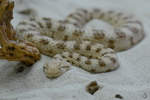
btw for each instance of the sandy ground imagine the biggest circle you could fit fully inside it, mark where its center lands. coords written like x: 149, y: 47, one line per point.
x: 131, y: 80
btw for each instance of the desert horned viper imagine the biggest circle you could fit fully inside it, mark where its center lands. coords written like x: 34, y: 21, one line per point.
x: 91, y: 49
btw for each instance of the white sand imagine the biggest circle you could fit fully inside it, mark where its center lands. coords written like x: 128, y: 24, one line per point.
x: 131, y: 80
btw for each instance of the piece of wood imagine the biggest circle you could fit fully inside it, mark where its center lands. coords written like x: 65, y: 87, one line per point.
x: 13, y: 49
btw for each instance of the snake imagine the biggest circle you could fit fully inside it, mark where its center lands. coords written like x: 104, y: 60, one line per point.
x: 69, y: 43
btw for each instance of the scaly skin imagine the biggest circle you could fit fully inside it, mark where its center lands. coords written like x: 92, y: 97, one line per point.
x: 93, y: 50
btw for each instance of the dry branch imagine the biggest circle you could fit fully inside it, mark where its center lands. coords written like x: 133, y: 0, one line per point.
x: 12, y: 48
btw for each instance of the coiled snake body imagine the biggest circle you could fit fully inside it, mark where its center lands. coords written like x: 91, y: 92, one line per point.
x: 91, y: 49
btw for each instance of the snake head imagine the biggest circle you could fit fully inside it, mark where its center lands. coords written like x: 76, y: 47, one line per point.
x: 55, y: 68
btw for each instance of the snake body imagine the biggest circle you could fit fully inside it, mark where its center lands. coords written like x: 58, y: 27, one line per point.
x: 91, y: 49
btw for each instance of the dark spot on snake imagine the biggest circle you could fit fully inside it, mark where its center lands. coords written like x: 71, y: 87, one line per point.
x: 108, y: 70
x: 113, y: 60
x: 112, y: 46
x: 33, y: 25
x: 111, y: 41
x: 102, y: 63
x: 43, y: 41
x: 88, y: 62
x: 98, y: 50
x: 93, y: 70
x: 22, y: 23
x: 78, y: 59
x: 76, y: 47
x: 46, y: 19
x: 32, y: 19
x: 40, y: 24
x: 65, y: 38
x: 61, y: 28
x: 88, y: 47
x: 49, y: 25
x: 70, y: 56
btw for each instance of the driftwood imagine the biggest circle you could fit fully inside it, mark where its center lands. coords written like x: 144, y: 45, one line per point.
x: 13, y: 49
